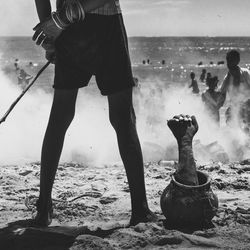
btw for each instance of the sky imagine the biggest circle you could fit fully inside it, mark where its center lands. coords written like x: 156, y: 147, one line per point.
x: 150, y: 17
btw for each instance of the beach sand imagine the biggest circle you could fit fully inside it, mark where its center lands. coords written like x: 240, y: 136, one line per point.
x: 89, y: 201
x: 92, y: 203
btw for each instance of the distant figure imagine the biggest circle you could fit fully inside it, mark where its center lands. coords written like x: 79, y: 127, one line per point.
x: 136, y: 81
x: 212, y: 99
x: 148, y: 61
x: 137, y: 93
x: 16, y: 64
x: 208, y: 77
x: 220, y: 63
x: 31, y: 65
x: 235, y: 90
x: 194, y: 84
x: 23, y: 77
x: 143, y: 61
x: 163, y: 62
x: 200, y: 63
x: 203, y: 75
x: 245, y: 116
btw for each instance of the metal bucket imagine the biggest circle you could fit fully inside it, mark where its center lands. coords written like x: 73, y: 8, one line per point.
x: 189, y: 206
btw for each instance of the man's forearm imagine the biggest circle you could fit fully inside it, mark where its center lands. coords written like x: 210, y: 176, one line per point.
x: 186, y: 158
x: 43, y: 9
x: 186, y: 171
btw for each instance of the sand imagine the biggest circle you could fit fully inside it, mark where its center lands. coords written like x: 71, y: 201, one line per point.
x: 90, y: 201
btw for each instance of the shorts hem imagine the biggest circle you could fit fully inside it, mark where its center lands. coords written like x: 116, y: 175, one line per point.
x: 68, y: 87
x: 115, y: 91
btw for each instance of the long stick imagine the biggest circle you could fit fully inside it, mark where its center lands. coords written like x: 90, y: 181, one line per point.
x: 23, y: 92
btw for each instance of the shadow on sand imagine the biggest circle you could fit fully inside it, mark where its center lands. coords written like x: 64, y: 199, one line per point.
x: 22, y: 234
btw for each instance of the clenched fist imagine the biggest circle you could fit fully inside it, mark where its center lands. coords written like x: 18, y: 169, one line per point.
x: 183, y: 126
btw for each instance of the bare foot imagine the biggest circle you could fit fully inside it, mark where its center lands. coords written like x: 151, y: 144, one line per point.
x: 144, y: 216
x: 43, y: 219
x: 44, y: 215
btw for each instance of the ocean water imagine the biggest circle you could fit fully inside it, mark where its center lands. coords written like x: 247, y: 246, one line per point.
x: 170, y: 59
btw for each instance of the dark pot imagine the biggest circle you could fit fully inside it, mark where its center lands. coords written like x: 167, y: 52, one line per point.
x: 185, y: 205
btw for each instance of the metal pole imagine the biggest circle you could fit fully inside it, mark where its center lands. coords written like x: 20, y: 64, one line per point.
x: 23, y: 92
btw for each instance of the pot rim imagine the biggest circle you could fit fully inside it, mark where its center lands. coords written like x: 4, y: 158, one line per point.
x: 193, y: 187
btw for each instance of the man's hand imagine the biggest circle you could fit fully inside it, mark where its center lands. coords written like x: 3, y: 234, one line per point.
x: 46, y: 31
x: 183, y: 126
x: 50, y: 52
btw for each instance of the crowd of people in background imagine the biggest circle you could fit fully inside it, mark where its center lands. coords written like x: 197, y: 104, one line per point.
x: 149, y: 62
x: 234, y: 92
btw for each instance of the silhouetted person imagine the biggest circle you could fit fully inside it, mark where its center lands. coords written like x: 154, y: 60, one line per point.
x: 31, y: 65
x: 136, y: 81
x: 220, y: 63
x: 16, y: 64
x: 90, y: 40
x: 235, y: 87
x: 203, y: 75
x: 212, y: 99
x: 23, y: 77
x: 208, y: 77
x: 194, y: 84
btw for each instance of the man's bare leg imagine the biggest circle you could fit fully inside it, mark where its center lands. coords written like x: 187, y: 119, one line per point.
x: 62, y: 113
x: 122, y: 118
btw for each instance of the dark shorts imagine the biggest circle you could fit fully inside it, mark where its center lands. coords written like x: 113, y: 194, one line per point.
x: 97, y: 46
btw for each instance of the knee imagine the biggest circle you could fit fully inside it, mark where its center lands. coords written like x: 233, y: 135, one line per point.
x: 68, y: 117
x: 63, y: 108
x: 62, y: 118
x: 122, y: 120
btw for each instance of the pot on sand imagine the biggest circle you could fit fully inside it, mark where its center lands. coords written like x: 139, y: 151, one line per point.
x: 189, y: 206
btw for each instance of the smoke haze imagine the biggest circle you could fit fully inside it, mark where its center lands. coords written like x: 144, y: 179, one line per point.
x: 91, y: 139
